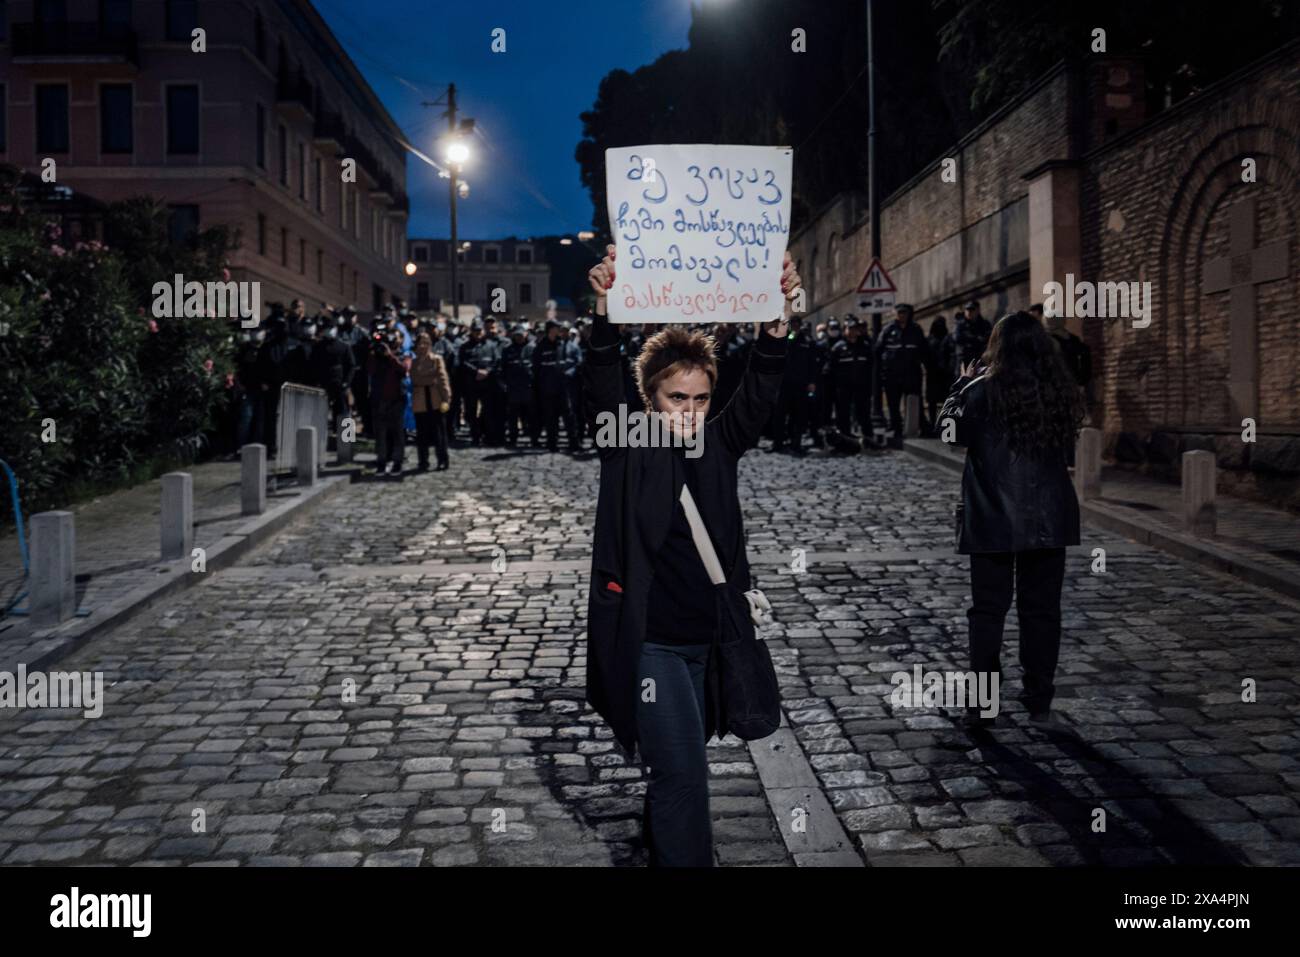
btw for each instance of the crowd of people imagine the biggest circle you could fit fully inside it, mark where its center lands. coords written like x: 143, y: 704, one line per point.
x: 440, y: 383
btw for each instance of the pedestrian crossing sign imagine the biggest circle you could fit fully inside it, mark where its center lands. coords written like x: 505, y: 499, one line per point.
x: 876, y: 289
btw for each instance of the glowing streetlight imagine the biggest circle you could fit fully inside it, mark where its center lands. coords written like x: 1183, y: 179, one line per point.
x: 410, y: 269
x: 457, y: 152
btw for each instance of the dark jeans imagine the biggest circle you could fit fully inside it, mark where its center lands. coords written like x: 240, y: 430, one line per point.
x: 431, y: 429
x: 678, y: 830
x: 1036, y: 577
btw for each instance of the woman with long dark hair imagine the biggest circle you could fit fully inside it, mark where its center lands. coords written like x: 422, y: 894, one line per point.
x: 651, y: 614
x: 1017, y: 412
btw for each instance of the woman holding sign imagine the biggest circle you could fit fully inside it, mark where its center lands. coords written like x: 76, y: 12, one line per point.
x: 652, y: 617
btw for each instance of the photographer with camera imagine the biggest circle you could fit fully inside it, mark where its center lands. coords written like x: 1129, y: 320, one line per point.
x: 388, y: 370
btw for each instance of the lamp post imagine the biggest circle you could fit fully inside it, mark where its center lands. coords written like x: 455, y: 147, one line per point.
x: 457, y: 154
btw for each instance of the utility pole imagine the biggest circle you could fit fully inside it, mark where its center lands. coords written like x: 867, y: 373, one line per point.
x: 454, y: 184
x: 455, y: 244
x: 873, y: 205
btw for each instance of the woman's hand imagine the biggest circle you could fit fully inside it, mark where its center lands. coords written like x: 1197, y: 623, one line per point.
x: 601, y: 278
x: 790, y: 286
x: 967, y: 370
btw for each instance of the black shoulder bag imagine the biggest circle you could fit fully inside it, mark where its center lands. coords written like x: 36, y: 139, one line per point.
x: 742, y: 679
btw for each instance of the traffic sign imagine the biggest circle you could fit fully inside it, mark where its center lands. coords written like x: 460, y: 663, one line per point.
x: 876, y: 289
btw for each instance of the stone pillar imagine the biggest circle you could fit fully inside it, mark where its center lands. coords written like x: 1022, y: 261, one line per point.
x: 1087, y: 464
x: 345, y: 448
x: 911, y: 416
x: 252, y: 479
x: 177, y: 519
x: 53, y: 594
x: 1054, y: 235
x: 308, y: 455
x: 1199, y: 474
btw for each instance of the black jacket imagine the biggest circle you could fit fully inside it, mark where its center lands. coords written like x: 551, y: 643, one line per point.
x: 635, y: 506
x: 1009, y: 502
x: 901, y: 353
x: 517, y: 371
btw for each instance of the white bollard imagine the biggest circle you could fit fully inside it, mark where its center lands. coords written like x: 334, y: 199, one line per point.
x: 53, y: 595
x: 308, y: 452
x: 1087, y: 464
x: 177, y: 519
x: 252, y: 479
x: 911, y: 416
x: 1200, y: 471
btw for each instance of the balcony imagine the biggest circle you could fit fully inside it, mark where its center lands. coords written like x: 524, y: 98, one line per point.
x: 383, y: 190
x: 328, y: 133
x: 63, y: 42
x: 294, y: 95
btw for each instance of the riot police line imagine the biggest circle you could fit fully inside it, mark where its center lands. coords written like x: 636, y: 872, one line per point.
x: 441, y: 384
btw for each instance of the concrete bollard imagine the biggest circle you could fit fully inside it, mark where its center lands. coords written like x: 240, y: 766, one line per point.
x: 308, y: 455
x: 1200, y: 471
x: 1087, y: 464
x: 911, y: 416
x: 53, y: 595
x: 177, y: 519
x: 252, y: 479
x: 345, y: 448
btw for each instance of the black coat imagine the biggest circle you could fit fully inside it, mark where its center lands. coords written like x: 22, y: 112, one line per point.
x: 638, y: 492
x: 1010, y: 502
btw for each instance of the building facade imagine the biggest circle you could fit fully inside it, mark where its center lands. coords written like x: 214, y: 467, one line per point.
x: 515, y: 267
x: 1077, y: 180
x: 246, y: 123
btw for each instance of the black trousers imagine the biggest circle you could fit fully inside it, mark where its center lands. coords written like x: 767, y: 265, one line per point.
x: 790, y: 419
x: 555, y: 407
x: 852, y: 405
x: 1036, y: 578
x: 390, y: 434
x: 431, y: 429
x: 893, y: 402
x: 520, y: 410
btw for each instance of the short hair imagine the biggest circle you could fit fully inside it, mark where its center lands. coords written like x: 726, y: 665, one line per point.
x: 424, y: 337
x: 670, y: 351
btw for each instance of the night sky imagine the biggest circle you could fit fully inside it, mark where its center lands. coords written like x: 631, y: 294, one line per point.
x: 523, y: 177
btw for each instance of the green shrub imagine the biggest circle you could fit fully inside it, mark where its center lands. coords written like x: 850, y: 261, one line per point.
x: 82, y: 360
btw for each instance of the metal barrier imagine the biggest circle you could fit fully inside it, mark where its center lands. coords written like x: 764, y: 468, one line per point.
x: 11, y: 605
x: 300, y: 405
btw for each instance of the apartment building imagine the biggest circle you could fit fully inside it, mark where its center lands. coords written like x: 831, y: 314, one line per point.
x: 517, y: 267
x: 237, y: 112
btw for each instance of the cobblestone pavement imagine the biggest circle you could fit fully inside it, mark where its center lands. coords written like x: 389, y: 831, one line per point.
x: 351, y: 693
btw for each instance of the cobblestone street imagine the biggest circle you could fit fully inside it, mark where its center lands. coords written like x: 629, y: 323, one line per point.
x: 372, y: 687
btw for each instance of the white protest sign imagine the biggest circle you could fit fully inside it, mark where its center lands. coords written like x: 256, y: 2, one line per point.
x: 700, y: 230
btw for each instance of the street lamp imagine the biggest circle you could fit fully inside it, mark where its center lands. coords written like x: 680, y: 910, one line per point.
x: 457, y: 153
x: 410, y: 269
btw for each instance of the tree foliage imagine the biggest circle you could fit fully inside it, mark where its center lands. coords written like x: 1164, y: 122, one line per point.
x: 940, y: 68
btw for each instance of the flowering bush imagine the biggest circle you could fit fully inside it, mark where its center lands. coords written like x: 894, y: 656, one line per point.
x: 91, y: 385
